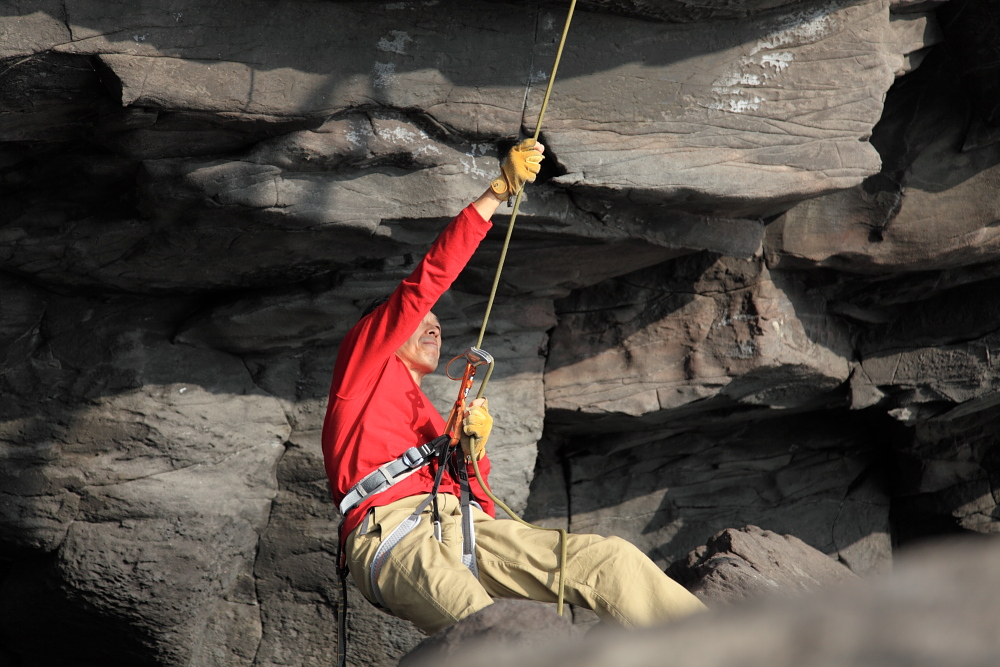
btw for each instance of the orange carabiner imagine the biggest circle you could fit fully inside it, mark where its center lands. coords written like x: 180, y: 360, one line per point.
x: 474, y: 358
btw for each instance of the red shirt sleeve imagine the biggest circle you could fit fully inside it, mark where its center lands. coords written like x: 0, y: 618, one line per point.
x: 376, y: 411
x: 382, y: 332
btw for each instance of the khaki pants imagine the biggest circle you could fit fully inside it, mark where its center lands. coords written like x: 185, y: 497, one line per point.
x: 425, y: 582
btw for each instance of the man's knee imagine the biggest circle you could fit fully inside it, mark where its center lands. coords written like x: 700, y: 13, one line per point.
x: 623, y: 551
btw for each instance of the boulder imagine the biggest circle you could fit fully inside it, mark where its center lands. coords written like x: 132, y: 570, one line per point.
x: 938, y: 607
x: 503, y: 623
x: 750, y: 563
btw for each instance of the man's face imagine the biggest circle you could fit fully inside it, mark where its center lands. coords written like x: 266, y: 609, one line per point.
x: 421, y: 352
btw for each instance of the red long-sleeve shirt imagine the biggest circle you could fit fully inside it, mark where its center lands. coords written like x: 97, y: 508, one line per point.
x: 376, y: 409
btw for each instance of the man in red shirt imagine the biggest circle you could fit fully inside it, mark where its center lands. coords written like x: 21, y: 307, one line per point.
x: 413, y: 562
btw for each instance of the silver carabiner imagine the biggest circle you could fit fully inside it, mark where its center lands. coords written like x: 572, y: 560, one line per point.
x: 473, y: 356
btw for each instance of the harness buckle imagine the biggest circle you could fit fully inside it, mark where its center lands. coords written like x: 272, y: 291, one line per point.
x: 413, y: 457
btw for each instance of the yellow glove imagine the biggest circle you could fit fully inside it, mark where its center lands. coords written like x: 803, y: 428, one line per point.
x: 477, y: 423
x: 520, y: 166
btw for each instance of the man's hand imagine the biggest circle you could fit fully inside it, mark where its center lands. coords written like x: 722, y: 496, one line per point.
x: 477, y: 423
x: 520, y: 166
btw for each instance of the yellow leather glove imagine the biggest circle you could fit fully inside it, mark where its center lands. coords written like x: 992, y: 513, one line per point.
x: 519, y: 167
x: 477, y: 423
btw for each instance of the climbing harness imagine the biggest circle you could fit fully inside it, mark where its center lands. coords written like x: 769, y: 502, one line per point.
x: 390, y: 474
x: 444, y: 449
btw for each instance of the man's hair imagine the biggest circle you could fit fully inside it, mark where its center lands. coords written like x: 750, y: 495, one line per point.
x: 373, y: 305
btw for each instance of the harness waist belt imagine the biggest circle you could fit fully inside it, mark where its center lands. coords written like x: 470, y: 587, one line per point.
x: 391, y: 473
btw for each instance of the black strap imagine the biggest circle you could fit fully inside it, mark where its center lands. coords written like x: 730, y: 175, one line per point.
x: 442, y: 462
x: 342, y: 603
x: 342, y: 624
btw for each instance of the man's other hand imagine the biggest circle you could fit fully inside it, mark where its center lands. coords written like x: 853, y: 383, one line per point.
x: 477, y: 423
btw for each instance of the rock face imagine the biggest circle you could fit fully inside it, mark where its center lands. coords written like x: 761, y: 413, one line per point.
x: 816, y: 480
x: 144, y: 471
x: 742, y: 74
x: 691, y: 335
x: 751, y: 564
x: 752, y: 285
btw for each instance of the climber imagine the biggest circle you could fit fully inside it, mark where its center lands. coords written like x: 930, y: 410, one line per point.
x: 405, y: 552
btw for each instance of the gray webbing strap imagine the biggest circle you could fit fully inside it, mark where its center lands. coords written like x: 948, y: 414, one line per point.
x: 468, y: 527
x: 387, y: 475
x: 394, y: 538
x: 407, y: 526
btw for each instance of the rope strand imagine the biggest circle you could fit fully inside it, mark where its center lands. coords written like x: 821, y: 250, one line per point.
x: 517, y: 200
x: 561, y: 595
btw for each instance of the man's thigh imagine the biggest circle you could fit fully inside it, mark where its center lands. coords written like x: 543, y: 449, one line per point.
x: 606, y: 574
x: 422, y: 580
x: 516, y: 561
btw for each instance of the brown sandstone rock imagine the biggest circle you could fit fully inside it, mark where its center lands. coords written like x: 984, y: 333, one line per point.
x: 933, y: 207
x: 746, y: 564
x: 687, y: 336
x: 949, y: 476
x: 136, y: 477
x: 708, y: 88
x: 711, y: 85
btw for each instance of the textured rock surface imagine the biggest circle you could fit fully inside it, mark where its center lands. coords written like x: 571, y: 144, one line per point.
x: 816, y: 480
x: 669, y: 339
x: 145, y: 471
x: 753, y: 286
x: 710, y: 87
x: 750, y: 563
x: 933, y: 205
x: 938, y: 607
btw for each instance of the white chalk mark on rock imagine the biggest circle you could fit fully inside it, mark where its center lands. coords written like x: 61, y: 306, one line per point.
x: 384, y: 74
x: 397, y: 43
x: 765, y: 63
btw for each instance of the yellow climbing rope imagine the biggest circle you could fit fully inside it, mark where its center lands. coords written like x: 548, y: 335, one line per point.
x: 517, y: 200
x: 489, y: 307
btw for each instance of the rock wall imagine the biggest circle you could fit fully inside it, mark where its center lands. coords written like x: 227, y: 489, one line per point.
x: 754, y: 285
